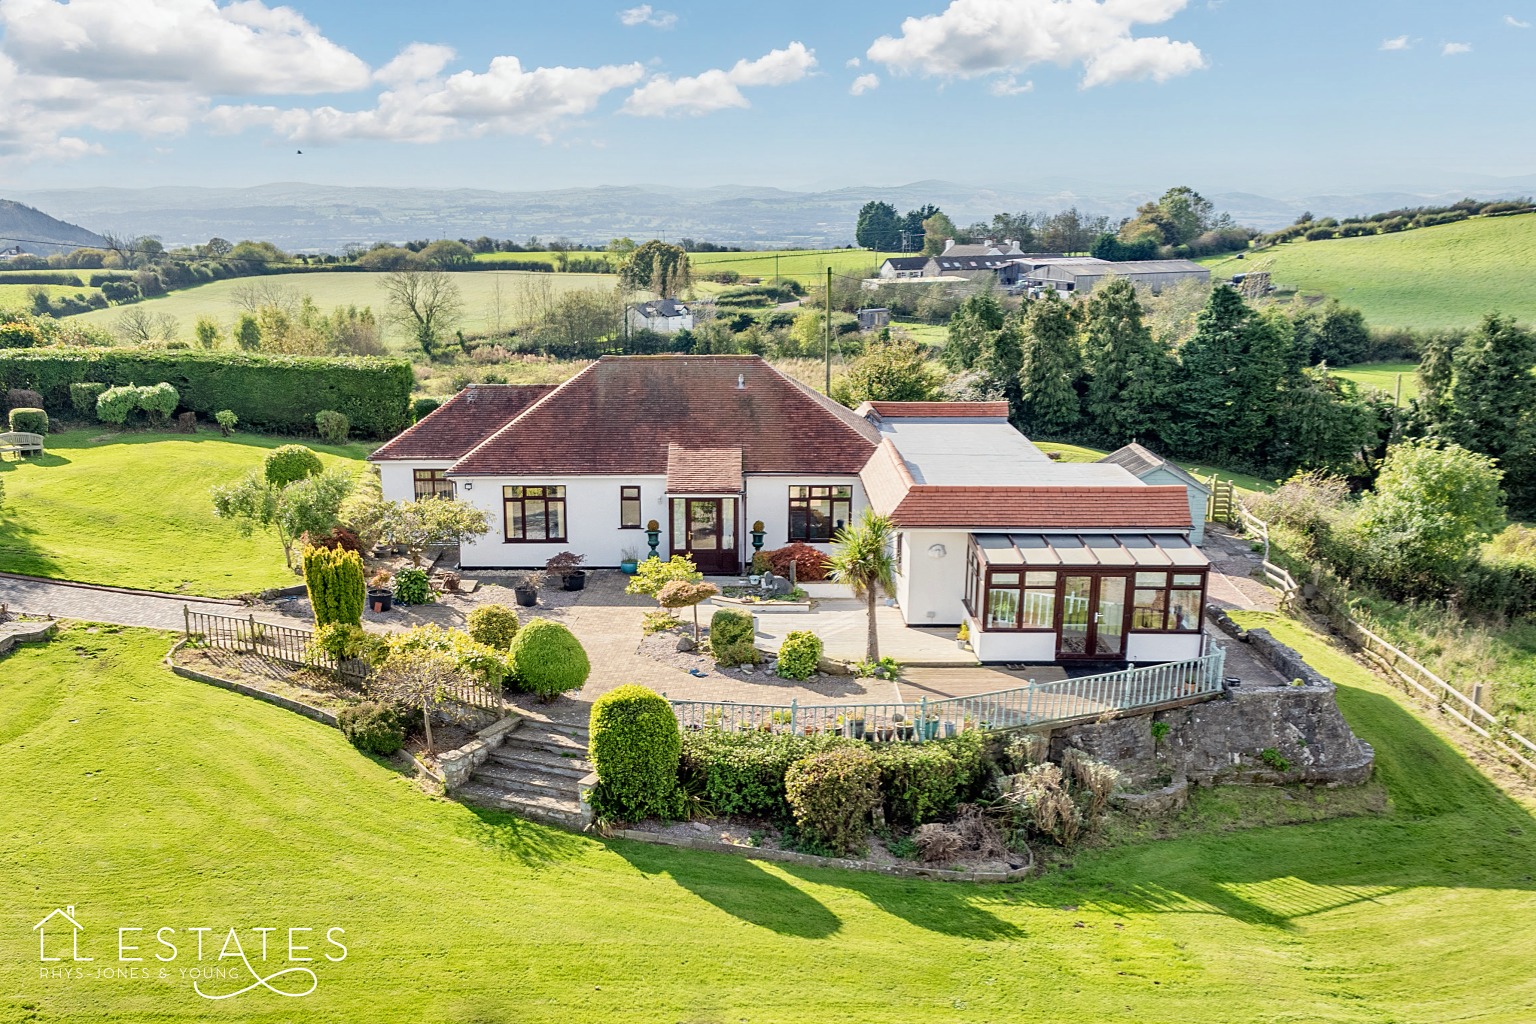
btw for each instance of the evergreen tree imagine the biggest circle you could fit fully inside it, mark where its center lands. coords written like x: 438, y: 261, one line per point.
x: 979, y: 317
x: 1001, y: 364
x: 1492, y: 402
x: 1231, y: 370
x: 1051, y: 368
x: 879, y: 227
x: 1323, y: 424
x: 1127, y: 370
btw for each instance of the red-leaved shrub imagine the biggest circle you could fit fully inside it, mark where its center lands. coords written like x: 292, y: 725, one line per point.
x: 810, y: 564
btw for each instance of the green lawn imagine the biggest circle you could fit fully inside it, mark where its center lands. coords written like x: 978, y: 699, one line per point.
x: 1388, y: 377
x: 132, y: 510
x: 1439, y: 277
x: 1079, y: 453
x: 19, y: 296
x: 167, y: 803
x: 808, y: 266
x: 329, y: 289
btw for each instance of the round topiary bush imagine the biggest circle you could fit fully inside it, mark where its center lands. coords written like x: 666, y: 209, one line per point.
x: 332, y: 426
x: 833, y: 794
x: 31, y: 421
x: 799, y: 655
x: 288, y: 463
x: 636, y: 747
x: 372, y: 728
x: 727, y: 627
x: 115, y: 405
x: 493, y: 625
x: 546, y: 658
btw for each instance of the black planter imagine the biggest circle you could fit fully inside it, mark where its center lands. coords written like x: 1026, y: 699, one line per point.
x: 381, y: 600
x: 526, y: 596
x: 575, y: 581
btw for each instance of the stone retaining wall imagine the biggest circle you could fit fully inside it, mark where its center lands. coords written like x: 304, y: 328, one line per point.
x: 456, y: 766
x: 13, y: 633
x: 1223, y: 741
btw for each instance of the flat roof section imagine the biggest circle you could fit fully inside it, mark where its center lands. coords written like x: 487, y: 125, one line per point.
x: 988, y: 453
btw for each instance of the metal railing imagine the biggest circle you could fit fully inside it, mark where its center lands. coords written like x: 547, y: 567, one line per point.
x: 291, y: 645
x: 1039, y: 704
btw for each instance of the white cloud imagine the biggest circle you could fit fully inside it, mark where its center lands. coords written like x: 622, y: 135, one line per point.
x: 863, y: 84
x: 505, y: 99
x: 1514, y: 22
x: 1452, y: 49
x: 1009, y: 85
x: 647, y: 15
x: 415, y: 63
x: 718, y: 89
x: 851, y: 62
x: 244, y: 47
x: 1396, y: 43
x: 971, y: 38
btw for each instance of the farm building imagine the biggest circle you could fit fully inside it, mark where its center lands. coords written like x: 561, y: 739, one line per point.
x: 1083, y: 274
x: 900, y: 268
x: 872, y: 318
x: 1158, y: 471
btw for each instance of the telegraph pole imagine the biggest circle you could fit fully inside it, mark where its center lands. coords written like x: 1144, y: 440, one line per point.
x: 828, y: 326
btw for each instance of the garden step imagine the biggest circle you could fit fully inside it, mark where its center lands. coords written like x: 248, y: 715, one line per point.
x: 555, y: 811
x: 541, y: 761
x: 555, y: 743
x: 525, y: 780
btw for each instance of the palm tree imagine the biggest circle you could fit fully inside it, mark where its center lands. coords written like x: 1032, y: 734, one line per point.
x: 862, y: 559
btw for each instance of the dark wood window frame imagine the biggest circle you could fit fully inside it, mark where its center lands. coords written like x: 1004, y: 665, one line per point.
x: 548, y: 495
x: 801, y: 499
x: 630, y: 493
x: 436, y: 481
x: 1166, y: 591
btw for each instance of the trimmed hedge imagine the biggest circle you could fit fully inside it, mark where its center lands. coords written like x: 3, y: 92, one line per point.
x: 727, y: 627
x: 31, y: 421
x: 267, y: 391
x: 494, y: 625
x: 546, y: 658
x: 373, y: 728
x: 82, y: 397
x: 834, y: 794
x: 743, y: 772
x: 635, y: 748
x: 334, y: 579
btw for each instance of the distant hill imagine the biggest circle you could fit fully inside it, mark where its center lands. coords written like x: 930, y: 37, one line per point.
x: 1430, y: 278
x: 38, y: 233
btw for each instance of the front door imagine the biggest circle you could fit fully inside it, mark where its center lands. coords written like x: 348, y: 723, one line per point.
x: 705, y: 530
x: 1092, y: 618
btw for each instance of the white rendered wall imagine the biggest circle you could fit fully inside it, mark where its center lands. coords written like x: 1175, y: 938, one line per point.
x: 930, y: 590
x: 592, y: 521
x: 1003, y: 647
x: 1141, y: 648
x: 767, y: 498
x: 398, y: 478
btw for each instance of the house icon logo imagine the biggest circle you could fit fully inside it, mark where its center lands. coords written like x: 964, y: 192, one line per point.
x: 53, y: 922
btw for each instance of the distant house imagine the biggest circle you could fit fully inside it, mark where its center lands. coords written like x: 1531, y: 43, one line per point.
x: 664, y: 316
x: 1158, y: 471
x: 12, y: 253
x: 1082, y: 274
x: 872, y: 318
x: 897, y: 268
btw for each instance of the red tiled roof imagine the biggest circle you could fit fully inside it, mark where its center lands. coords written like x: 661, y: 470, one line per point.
x: 892, y: 492
x: 621, y: 413
x: 462, y: 422
x: 703, y: 470
x: 935, y: 410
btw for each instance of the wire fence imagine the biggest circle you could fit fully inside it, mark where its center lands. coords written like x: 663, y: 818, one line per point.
x: 292, y: 646
x: 1039, y: 704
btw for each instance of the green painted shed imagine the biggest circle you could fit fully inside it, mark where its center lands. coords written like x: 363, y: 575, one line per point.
x: 1156, y: 470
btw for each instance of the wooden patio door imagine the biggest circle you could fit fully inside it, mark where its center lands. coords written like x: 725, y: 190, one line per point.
x: 1092, y: 618
x: 705, y: 530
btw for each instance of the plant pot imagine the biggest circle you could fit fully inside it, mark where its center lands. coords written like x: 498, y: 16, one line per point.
x: 856, y: 728
x: 949, y: 729
x: 629, y: 566
x: 381, y: 600
x: 526, y: 596
x: 904, y: 732
x: 575, y: 581
x: 931, y: 729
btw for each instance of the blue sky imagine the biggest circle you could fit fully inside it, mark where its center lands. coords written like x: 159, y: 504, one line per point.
x: 1281, y: 97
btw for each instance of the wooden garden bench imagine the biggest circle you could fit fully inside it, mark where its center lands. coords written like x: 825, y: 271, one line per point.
x: 21, y: 443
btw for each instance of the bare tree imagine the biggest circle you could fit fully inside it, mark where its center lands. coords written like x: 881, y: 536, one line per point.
x: 136, y: 325
x: 422, y: 679
x: 425, y: 302
x: 253, y: 296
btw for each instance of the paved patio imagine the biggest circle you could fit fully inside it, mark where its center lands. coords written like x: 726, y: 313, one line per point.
x: 843, y: 626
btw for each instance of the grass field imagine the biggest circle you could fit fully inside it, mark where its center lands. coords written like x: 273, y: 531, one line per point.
x: 174, y: 804
x: 1079, y: 453
x: 1439, y: 277
x: 1388, y: 377
x: 330, y: 289
x: 808, y: 266
x: 19, y: 296
x: 133, y: 510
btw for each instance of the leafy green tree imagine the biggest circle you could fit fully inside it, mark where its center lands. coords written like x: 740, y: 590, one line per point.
x: 979, y: 317
x: 912, y: 227
x: 937, y: 231
x: 862, y: 558
x: 894, y: 370
x: 878, y: 227
x: 207, y: 331
x: 1431, y: 509
x: 1492, y: 402
x: 248, y: 333
x: 1322, y: 424
x: 1231, y: 370
x: 1127, y: 370
x: 662, y: 268
x: 309, y: 505
x: 446, y: 254
x: 1051, y: 367
x: 1000, y: 364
